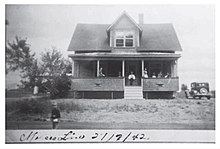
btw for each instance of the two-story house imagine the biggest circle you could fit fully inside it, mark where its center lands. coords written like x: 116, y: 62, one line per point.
x: 104, y: 55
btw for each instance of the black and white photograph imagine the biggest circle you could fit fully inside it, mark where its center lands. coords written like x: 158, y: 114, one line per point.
x: 109, y: 73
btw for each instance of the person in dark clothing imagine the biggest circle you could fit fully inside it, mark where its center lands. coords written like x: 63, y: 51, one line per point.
x: 55, y: 116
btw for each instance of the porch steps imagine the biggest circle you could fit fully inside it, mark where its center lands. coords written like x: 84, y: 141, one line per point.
x: 133, y: 92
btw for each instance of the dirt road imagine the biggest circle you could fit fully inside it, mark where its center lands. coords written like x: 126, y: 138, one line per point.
x: 90, y: 125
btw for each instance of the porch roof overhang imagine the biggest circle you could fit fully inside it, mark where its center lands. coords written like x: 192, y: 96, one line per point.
x: 121, y: 56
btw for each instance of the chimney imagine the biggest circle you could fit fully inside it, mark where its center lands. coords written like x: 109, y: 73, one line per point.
x: 141, y: 18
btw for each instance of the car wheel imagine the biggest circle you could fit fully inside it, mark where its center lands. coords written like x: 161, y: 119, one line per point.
x: 203, y: 91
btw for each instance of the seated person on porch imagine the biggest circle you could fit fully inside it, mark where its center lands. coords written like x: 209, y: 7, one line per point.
x: 119, y: 74
x: 145, y: 73
x: 167, y: 75
x: 159, y: 75
x: 131, y: 78
x: 100, y: 73
x: 153, y: 76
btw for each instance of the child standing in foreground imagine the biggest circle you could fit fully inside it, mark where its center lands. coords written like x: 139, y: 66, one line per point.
x: 55, y: 115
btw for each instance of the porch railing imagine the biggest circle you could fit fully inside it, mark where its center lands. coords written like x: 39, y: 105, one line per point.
x: 98, y: 84
x: 118, y: 83
x: 161, y: 84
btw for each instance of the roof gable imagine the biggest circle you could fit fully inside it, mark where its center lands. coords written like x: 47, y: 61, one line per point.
x: 122, y: 21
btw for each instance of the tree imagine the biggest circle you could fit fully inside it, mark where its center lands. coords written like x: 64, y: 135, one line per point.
x: 19, y: 57
x: 30, y: 75
x: 53, y: 63
x: 49, y: 75
x: 54, y: 68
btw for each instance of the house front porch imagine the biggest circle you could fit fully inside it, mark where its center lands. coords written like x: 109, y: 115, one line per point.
x: 112, y: 81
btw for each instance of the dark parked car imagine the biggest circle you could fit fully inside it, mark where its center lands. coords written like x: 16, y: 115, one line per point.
x: 198, y: 90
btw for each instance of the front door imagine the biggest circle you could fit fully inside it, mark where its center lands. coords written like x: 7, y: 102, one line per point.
x: 135, y: 68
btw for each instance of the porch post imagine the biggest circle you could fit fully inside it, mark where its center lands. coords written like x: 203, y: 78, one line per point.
x: 97, y: 68
x: 123, y: 68
x: 142, y: 67
x: 73, y: 64
x: 174, y: 68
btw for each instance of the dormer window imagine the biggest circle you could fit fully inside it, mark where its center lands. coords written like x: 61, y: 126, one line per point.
x: 129, y: 39
x: 124, y: 39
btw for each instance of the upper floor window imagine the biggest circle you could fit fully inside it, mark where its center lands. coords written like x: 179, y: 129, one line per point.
x: 124, y: 39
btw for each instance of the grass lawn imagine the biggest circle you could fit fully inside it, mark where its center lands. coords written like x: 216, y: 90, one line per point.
x: 116, y: 111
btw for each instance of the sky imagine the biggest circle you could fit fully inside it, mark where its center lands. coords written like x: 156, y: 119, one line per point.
x: 47, y: 26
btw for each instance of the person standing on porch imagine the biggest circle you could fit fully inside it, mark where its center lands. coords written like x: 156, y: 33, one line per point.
x: 131, y: 78
x: 145, y: 73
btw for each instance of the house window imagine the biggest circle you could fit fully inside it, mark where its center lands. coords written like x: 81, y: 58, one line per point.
x: 124, y: 39
x: 129, y: 40
x: 119, y: 42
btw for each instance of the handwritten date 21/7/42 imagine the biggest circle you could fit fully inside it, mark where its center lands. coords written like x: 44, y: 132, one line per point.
x: 72, y: 136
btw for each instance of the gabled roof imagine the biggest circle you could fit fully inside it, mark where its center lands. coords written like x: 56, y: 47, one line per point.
x: 159, y: 37
x: 124, y: 14
x: 155, y: 37
x: 90, y: 37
